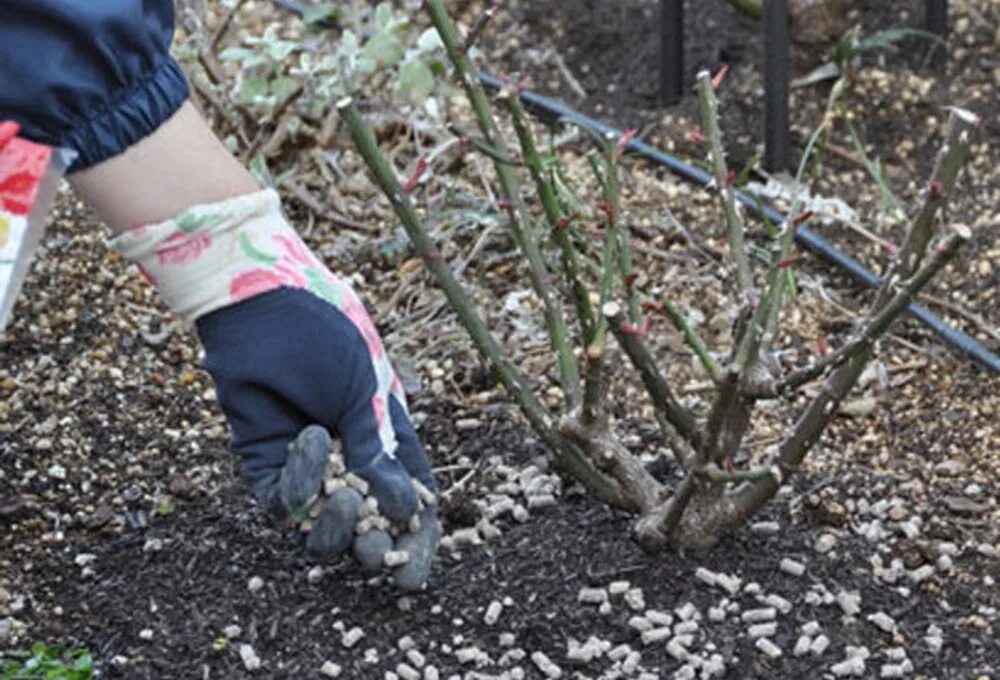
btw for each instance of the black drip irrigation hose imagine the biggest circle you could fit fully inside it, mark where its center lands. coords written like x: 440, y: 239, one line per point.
x: 556, y: 111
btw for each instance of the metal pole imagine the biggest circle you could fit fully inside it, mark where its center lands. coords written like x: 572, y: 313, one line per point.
x: 671, y: 51
x: 777, y: 152
x: 936, y: 19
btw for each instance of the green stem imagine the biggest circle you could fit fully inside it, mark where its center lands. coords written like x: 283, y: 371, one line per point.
x: 566, y: 453
x: 693, y: 340
x: 521, y: 227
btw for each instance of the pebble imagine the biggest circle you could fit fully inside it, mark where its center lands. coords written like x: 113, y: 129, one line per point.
x: 883, y: 621
x: 811, y: 628
x: 658, y: 618
x: 896, y: 670
x: 352, y: 637
x: 468, y: 655
x: 758, y: 615
x: 255, y: 584
x: 315, y: 575
x: 431, y: 673
x: 407, y: 672
x: 232, y: 631
x: 678, y: 651
x: 778, y: 602
x: 685, y: 672
x: 921, y: 574
x: 766, y: 528
x: 849, y: 667
x: 635, y: 599
x: 591, y: 649
x: 802, y: 645
x: 619, y: 587
x: 655, y: 635
x: 850, y: 603
x: 545, y: 665
x: 493, y: 612
x: 687, y: 611
x: 685, y: 627
x: 249, y: 657
x: 716, y: 614
x: 544, y: 500
x: 715, y: 666
x: 820, y: 645
x: 762, y: 630
x: 934, y: 639
x: 146, y: 634
x: 790, y: 566
x: 520, y: 513
x: 825, y: 543
x: 330, y: 669
x: 416, y: 658
x: 507, y: 639
x: 640, y: 624
x: 592, y: 596
x: 620, y: 652
x: 767, y: 647
x: 406, y: 643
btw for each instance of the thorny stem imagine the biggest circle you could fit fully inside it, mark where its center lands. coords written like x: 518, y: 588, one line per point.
x: 823, y: 408
x: 553, y: 212
x: 715, y: 474
x: 727, y: 197
x: 693, y: 340
x: 612, y: 197
x: 566, y: 453
x: 594, y: 380
x: 958, y: 140
x: 520, y: 221
x: 875, y: 326
x: 664, y: 401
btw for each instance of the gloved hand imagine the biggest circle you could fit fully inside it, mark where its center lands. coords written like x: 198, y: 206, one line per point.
x: 290, y: 346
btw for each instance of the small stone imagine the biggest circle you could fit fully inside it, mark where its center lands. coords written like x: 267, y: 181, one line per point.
x: 685, y: 672
x: 685, y: 627
x: 507, y: 639
x: 592, y: 596
x: 761, y: 630
x: 716, y: 614
x: 655, y: 635
x: 545, y: 665
x: 315, y: 575
x: 921, y: 574
x: 658, y: 618
x: 819, y: 645
x: 468, y: 655
x: 640, y: 624
x: 407, y: 672
x: 330, y: 670
x: 146, y: 634
x: 825, y: 543
x: 934, y: 639
x: 758, y: 615
x: 520, y: 513
x: 635, y: 600
x: 854, y: 666
x: 802, y: 645
x: 895, y: 670
x: 232, y: 631
x: 778, y: 602
x: 395, y: 558
x: 714, y: 667
x: 849, y: 603
x: 249, y: 657
x: 687, y: 611
x: 152, y: 545
x: 811, y: 628
x: 352, y: 637
x: 766, y: 528
x: 678, y: 651
x: 431, y: 673
x: 618, y: 587
x: 883, y: 621
x: 255, y: 584
x: 790, y: 566
x: 493, y: 612
x: 897, y: 513
x: 416, y: 658
x: 767, y: 647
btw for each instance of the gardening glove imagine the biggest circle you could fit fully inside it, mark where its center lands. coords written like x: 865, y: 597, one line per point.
x: 290, y: 346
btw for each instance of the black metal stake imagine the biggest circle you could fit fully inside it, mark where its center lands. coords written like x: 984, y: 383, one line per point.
x: 671, y: 51
x: 777, y: 151
x: 936, y: 18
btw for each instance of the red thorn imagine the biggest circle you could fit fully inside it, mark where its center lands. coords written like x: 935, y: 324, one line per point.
x: 720, y: 76
x: 790, y: 260
x: 624, y: 140
x: 727, y: 464
x: 821, y: 346
x: 936, y: 190
x: 525, y: 84
x: 697, y: 136
x: 505, y: 203
x: 802, y: 217
x: 892, y: 249
x: 608, y: 210
x: 411, y: 183
x: 630, y: 280
x: 939, y: 247
x: 730, y: 177
x: 650, y: 307
x: 639, y: 331
x: 431, y: 254
x: 564, y: 222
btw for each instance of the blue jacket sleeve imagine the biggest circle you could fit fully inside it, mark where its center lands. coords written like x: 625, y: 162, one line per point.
x: 95, y: 77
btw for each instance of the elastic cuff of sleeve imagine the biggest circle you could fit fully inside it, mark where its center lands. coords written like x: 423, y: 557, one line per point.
x: 135, y: 114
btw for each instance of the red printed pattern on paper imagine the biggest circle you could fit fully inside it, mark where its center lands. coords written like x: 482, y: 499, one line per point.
x: 22, y: 166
